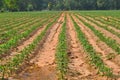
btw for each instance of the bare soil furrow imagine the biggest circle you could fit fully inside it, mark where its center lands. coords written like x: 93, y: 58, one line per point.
x: 79, y: 68
x: 49, y: 46
x: 105, y: 32
x: 76, y: 63
x: 45, y: 58
x: 94, y: 42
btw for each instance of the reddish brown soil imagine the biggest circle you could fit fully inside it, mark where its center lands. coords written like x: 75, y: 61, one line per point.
x: 93, y: 40
x: 45, y: 59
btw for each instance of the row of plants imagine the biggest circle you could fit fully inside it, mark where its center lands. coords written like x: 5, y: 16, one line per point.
x: 5, y: 48
x: 16, y: 24
x: 8, y: 34
x: 21, y: 23
x: 115, y: 19
x: 8, y: 18
x: 61, y: 53
x: 107, y: 22
x: 5, y: 25
x: 7, y: 22
x: 106, y: 27
x: 110, y: 42
x: 92, y: 54
x: 10, y: 21
x: 13, y: 64
x: 111, y: 20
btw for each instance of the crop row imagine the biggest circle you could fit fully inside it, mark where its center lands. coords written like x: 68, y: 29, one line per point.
x: 7, y: 22
x: 5, y: 36
x: 104, y: 27
x: 17, y: 22
x: 110, y: 20
x: 19, y: 29
x: 14, y: 41
x: 110, y: 42
x: 61, y: 53
x: 11, y: 22
x: 92, y: 54
x: 13, y: 64
x: 107, y: 22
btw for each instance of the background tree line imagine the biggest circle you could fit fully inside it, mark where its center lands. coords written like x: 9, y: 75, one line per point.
x: 29, y: 5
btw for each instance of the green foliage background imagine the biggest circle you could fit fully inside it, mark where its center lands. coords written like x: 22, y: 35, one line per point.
x: 30, y: 5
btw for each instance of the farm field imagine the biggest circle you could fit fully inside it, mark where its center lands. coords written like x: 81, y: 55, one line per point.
x: 66, y: 45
